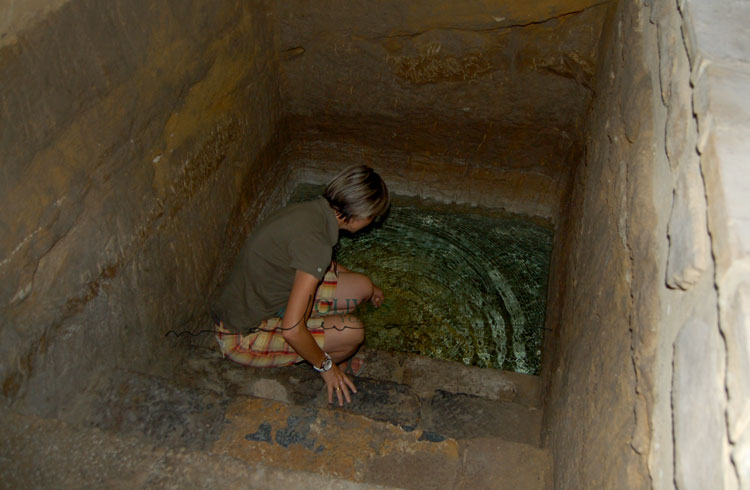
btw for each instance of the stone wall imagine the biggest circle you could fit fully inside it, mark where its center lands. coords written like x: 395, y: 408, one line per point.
x: 492, y: 93
x: 649, y: 333
x: 138, y: 142
x: 605, y: 244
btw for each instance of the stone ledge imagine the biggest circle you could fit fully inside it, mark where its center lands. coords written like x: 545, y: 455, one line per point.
x: 426, y: 375
x: 517, y: 191
x: 400, y: 389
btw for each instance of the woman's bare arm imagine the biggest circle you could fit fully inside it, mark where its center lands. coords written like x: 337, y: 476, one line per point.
x: 295, y: 332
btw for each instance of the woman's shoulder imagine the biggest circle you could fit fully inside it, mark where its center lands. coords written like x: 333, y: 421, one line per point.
x: 303, y: 212
x: 302, y: 217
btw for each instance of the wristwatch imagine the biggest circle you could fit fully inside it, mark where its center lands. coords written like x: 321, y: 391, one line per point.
x: 326, y: 365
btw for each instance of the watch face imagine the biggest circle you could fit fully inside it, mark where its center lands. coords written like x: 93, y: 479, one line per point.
x: 327, y: 364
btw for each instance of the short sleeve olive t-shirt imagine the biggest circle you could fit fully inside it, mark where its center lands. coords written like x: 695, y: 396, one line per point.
x: 298, y: 237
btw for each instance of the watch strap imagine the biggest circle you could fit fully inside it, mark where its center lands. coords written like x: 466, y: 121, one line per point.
x: 326, y: 365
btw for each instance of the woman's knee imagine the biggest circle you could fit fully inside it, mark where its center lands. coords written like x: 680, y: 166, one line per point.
x: 353, y: 289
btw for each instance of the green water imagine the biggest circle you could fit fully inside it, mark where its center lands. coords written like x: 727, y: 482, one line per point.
x: 460, y: 284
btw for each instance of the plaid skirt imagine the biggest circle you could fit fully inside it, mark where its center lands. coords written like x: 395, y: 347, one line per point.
x: 267, y: 347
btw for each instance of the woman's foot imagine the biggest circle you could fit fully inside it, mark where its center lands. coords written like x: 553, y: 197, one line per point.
x: 353, y: 366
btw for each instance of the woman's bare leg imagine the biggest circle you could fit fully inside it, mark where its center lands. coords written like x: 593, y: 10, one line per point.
x: 343, y: 336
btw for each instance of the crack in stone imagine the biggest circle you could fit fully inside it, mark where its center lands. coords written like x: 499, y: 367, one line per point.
x: 490, y: 29
x: 713, y: 248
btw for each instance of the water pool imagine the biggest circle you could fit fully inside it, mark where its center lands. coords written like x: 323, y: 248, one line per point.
x: 460, y: 283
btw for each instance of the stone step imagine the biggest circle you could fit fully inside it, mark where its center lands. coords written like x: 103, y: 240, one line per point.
x: 423, y: 374
x: 355, y: 447
x: 426, y: 375
x: 320, y: 438
x: 412, y: 392
x: 48, y: 453
x: 338, y: 444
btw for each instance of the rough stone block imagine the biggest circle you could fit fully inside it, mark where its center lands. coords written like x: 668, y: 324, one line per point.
x: 723, y: 110
x: 670, y: 40
x: 735, y: 319
x: 270, y: 389
x: 720, y: 96
x: 717, y: 30
x: 634, y: 102
x: 681, y: 131
x: 689, y: 253
x: 741, y: 459
x: 698, y: 411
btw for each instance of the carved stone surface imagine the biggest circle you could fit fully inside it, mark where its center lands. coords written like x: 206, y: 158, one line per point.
x: 689, y: 248
x: 492, y: 92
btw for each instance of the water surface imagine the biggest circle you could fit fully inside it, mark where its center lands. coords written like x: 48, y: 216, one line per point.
x: 460, y: 283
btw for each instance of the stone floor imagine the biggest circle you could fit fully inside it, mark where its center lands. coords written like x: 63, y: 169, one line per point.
x: 414, y: 423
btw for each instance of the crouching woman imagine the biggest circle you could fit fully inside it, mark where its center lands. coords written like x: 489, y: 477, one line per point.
x: 286, y: 301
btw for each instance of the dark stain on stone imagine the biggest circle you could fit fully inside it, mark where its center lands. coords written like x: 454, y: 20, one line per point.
x: 263, y: 434
x: 11, y: 386
x: 296, y: 432
x: 151, y: 407
x: 431, y: 436
x: 292, y: 53
x: 385, y: 401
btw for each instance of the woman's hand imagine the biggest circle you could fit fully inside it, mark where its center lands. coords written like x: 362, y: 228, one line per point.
x: 338, y: 382
x: 377, y: 296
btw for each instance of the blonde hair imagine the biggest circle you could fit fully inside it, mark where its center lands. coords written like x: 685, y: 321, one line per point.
x: 358, y: 192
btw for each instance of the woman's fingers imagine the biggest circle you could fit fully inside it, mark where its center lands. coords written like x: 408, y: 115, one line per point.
x: 342, y: 390
x: 350, y: 384
x: 377, y: 296
x: 342, y: 393
x: 339, y: 383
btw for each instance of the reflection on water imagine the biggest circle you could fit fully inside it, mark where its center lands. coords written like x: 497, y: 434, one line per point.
x: 459, y: 285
